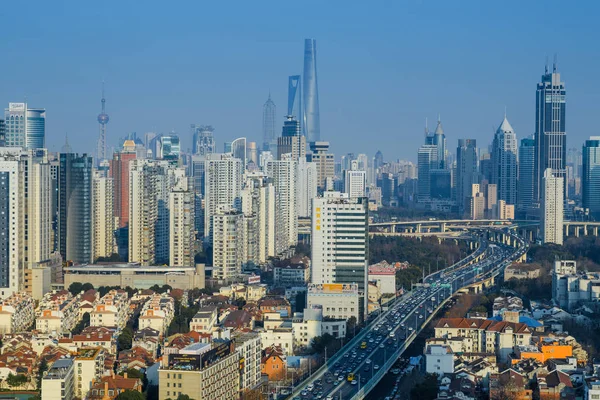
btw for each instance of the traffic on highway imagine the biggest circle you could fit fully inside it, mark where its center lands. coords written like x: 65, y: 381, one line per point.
x: 359, y: 363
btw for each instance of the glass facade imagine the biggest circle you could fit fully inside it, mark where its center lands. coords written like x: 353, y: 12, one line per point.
x: 311, y: 120
x: 591, y: 176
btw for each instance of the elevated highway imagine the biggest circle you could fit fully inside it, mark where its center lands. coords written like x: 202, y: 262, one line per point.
x: 355, y: 369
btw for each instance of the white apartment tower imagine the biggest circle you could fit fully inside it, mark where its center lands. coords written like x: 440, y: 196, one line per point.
x: 355, y: 181
x: 222, y: 186
x: 339, y: 239
x: 283, y: 174
x: 228, y: 235
x: 181, y: 225
x: 258, y: 202
x: 306, y: 187
x: 552, y: 208
x: 103, y: 219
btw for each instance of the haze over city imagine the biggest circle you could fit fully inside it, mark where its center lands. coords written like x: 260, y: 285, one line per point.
x: 383, y: 68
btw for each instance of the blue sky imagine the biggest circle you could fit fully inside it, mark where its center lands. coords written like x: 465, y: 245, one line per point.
x: 383, y: 66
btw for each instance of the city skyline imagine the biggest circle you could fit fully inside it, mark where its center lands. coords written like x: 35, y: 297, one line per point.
x: 348, y: 106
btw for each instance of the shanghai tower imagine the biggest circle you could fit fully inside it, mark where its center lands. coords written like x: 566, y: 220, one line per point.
x: 311, y: 120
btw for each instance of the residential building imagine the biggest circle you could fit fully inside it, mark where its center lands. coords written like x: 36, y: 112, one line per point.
x: 182, y: 235
x: 89, y: 368
x: 306, y: 187
x: 504, y: 162
x: 57, y: 313
x: 104, y: 220
x: 205, y: 320
x: 112, y: 310
x: 119, y: 171
x: 157, y: 313
x: 552, y: 208
x: 338, y: 301
x: 249, y: 348
x: 93, y: 336
x: 16, y: 313
x: 476, y: 203
x: 201, y: 372
x: 258, y: 206
x: 310, y: 324
x: 439, y: 359
x: 59, y: 381
x: 571, y: 288
x: 522, y: 271
x: 281, y: 337
x: 505, y: 211
x: 75, y: 221
x: 222, y: 187
x: 227, y: 238
x: 283, y: 174
x: 109, y: 387
x: 287, y: 273
x: 324, y: 161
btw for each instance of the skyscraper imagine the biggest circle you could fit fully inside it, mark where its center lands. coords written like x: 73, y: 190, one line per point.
x: 427, y: 160
x: 25, y: 127
x: 283, y: 174
x: 204, y: 141
x: 103, y: 120
x: 525, y: 196
x: 591, y: 176
x: 222, y: 186
x: 11, y: 203
x: 291, y: 140
x: 306, y: 188
x: 75, y: 222
x: 181, y: 225
x: 295, y: 98
x: 119, y: 171
x: 324, y: 161
x: 550, y: 133
x: 268, y: 124
x: 438, y: 139
x: 355, y: 181
x: 311, y: 120
x: 104, y: 220
x: 467, y: 171
x: 504, y: 162
x: 238, y: 150
x: 552, y: 207
x: 2, y: 133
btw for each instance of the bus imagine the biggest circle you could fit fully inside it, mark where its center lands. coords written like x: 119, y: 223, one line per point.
x: 350, y: 377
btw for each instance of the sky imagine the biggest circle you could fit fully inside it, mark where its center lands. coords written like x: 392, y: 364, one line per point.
x: 383, y: 67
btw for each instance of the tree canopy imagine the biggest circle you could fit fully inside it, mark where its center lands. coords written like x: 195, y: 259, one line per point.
x: 130, y: 395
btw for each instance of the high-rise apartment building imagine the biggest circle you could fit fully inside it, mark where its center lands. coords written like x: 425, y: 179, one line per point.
x: 2, y: 133
x: 324, y: 161
x: 143, y: 211
x: 252, y: 153
x: 291, y: 140
x: 75, y: 221
x: 311, y: 121
x: 258, y: 202
x: 268, y: 125
x: 104, y: 220
x: 355, y: 181
x: 168, y: 147
x: 283, y: 174
x: 119, y: 171
x: 550, y: 132
x: 222, y: 186
x: 467, y: 170
x: 476, y: 203
x: 504, y: 162
x: 203, y: 139
x: 25, y: 127
x: 227, y: 243
x: 181, y: 225
x: 525, y: 195
x: 306, y: 187
x: 591, y: 176
x: 238, y: 150
x: 552, y: 207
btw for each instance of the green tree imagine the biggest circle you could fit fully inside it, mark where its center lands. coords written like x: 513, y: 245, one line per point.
x: 351, y: 325
x: 320, y: 343
x: 42, y: 368
x: 425, y: 390
x: 300, y: 301
x: 81, y: 325
x: 125, y: 339
x: 182, y: 397
x: 75, y: 288
x: 130, y: 395
x: 16, y: 380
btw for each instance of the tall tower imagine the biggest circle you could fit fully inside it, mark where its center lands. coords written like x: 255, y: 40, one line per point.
x: 467, y: 169
x: 552, y: 197
x: 295, y: 97
x: 591, y: 176
x: 269, y: 135
x: 550, y: 134
x: 311, y: 120
x: 504, y: 163
x: 103, y: 120
x: 525, y: 199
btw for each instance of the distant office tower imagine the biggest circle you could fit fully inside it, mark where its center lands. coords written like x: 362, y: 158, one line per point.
x: 25, y: 127
x: 438, y: 139
x: 269, y: 130
x: 2, y: 133
x: 504, y: 163
x: 427, y: 160
x: 311, y: 121
x: 467, y: 173
x: 550, y: 133
x: 339, y: 249
x: 485, y: 167
x: 222, y: 186
x: 238, y: 150
x: 11, y: 203
x: 283, y: 174
x: 204, y: 141
x: 295, y: 98
x: 306, y: 188
x: 181, y: 225
x: 440, y: 182
x: 168, y: 147
x: 227, y: 239
x: 591, y: 176
x: 476, y: 203
x: 574, y: 170
x: 525, y: 195
x: 345, y: 162
x: 252, y: 153
x: 505, y: 211
x: 104, y: 220
x: 102, y: 120
x: 490, y: 191
x: 552, y: 208
x: 378, y: 160
x: 355, y: 181
x: 324, y: 160
x: 387, y: 183
x: 119, y: 171
x: 75, y: 222
x: 291, y: 140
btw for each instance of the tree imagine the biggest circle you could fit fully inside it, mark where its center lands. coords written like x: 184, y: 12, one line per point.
x: 351, y: 326
x: 16, y: 380
x: 75, y: 288
x: 130, y: 395
x: 42, y: 368
x: 135, y: 374
x: 320, y: 343
x: 87, y: 286
x: 182, y: 397
x: 125, y: 339
x: 300, y: 301
x: 81, y: 325
x: 425, y: 390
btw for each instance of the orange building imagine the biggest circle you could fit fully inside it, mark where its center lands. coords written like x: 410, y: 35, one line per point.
x: 546, y: 349
x: 119, y: 171
x: 273, y: 363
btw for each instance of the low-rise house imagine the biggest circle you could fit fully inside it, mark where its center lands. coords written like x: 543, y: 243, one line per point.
x: 281, y: 337
x: 288, y: 273
x: 239, y: 320
x: 109, y: 387
x: 509, y: 384
x: 149, y: 339
x: 205, y: 319
x: 157, y: 313
x: 554, y: 386
x: 522, y: 271
x: 112, y: 310
x: 16, y: 313
x: 273, y: 363
x: 275, y: 304
x: 57, y: 313
x: 135, y: 358
x: 88, y: 301
x: 89, y: 367
x: 94, y: 336
x: 439, y: 359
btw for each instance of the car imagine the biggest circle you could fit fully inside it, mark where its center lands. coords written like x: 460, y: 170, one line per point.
x: 335, y: 383
x: 368, y: 361
x: 340, y: 378
x: 304, y: 393
x: 382, y: 346
x: 310, y: 387
x: 330, y: 397
x: 353, y: 382
x: 375, y: 367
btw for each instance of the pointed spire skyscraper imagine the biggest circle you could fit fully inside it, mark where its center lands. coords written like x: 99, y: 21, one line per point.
x: 311, y: 121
